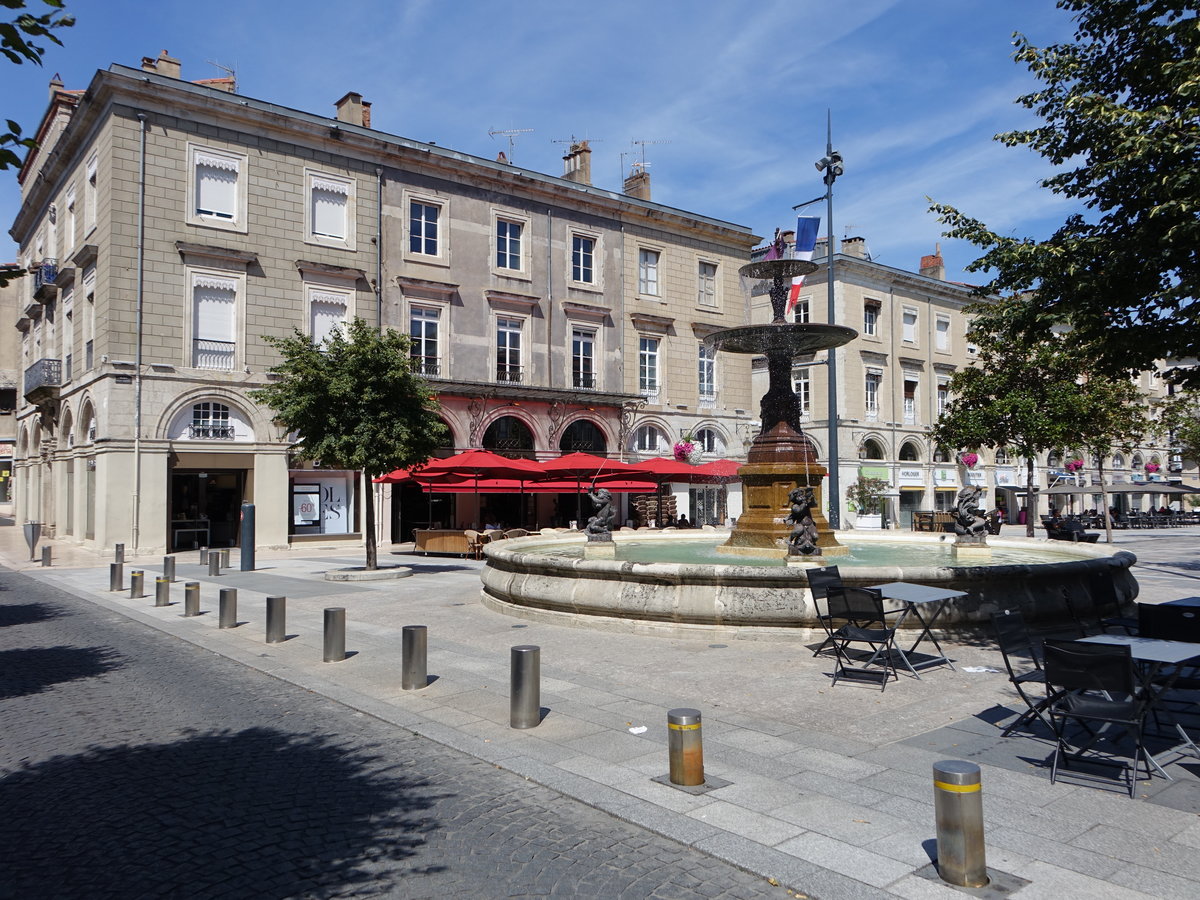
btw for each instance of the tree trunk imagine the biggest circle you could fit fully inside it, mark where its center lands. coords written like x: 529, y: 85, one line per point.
x: 369, y: 522
x: 1108, y: 537
x: 1031, y: 506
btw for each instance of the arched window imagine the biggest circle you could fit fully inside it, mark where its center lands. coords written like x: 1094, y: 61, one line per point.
x: 1003, y: 457
x: 910, y: 452
x: 649, y: 439
x: 210, y: 421
x: 1054, y: 459
x: 1137, y: 461
x: 941, y: 455
x: 508, y: 435
x: 709, y: 441
x: 583, y: 436
x: 1118, y: 461
x: 871, y: 449
x: 68, y: 430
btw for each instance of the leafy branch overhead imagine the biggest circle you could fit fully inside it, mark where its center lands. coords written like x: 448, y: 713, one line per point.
x: 1120, y: 112
x: 16, y: 43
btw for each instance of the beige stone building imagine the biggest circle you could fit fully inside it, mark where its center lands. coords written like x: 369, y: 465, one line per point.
x: 172, y: 225
x: 892, y: 385
x: 10, y: 295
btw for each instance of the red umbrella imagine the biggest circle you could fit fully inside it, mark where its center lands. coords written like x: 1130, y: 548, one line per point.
x: 586, y: 467
x: 477, y: 464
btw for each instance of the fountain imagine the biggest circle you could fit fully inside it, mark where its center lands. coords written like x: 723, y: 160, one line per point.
x: 764, y: 589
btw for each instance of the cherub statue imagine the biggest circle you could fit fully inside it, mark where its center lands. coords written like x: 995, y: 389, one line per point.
x: 599, y: 526
x: 803, y: 540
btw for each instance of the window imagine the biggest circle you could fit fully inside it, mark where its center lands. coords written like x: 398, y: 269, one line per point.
x: 330, y: 209
x: 90, y: 195
x: 803, y: 386
x: 1118, y: 461
x: 583, y: 358
x: 210, y: 421
x: 648, y: 366
x: 910, y: 326
x: 508, y: 244
x: 648, y: 272
x: 941, y: 455
x: 943, y: 395
x: 709, y: 441
x: 801, y: 311
x: 943, y: 333
x: 871, y: 317
x: 423, y: 237
x: 69, y: 226
x: 424, y: 323
x: 706, y: 284
x: 910, y: 399
x: 583, y: 259
x: 327, y: 310
x: 508, y: 349
x: 873, y: 380
x: 1003, y: 458
x: 649, y: 439
x: 217, y: 189
x: 214, y: 322
x: 68, y: 311
x: 706, y: 358
x: 89, y: 317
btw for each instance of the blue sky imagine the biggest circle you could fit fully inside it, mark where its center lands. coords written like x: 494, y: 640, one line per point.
x: 738, y: 93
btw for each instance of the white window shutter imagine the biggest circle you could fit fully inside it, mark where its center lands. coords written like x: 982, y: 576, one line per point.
x: 327, y: 312
x: 215, y: 305
x: 328, y: 213
x: 216, y: 191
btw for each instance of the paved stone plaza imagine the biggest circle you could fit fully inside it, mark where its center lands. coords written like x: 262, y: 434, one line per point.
x: 830, y: 787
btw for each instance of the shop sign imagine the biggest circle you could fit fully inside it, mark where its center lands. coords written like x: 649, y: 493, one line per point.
x: 1006, y: 477
x: 944, y: 477
x: 975, y: 477
x: 910, y: 477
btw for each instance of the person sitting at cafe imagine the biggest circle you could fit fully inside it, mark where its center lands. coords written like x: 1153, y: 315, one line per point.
x: 683, y: 522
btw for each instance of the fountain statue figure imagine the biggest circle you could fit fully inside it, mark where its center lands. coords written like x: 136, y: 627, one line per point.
x: 803, y: 541
x: 970, y: 522
x: 599, y: 526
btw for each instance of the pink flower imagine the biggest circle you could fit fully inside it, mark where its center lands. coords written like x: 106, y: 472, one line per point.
x: 1151, y: 467
x: 969, y: 459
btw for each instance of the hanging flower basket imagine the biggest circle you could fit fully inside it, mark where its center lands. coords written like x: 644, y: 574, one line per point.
x: 969, y: 459
x: 688, y: 451
x: 1151, y: 467
x: 1074, y: 465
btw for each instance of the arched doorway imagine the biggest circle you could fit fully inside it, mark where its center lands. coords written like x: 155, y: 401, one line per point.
x: 583, y: 436
x: 508, y: 436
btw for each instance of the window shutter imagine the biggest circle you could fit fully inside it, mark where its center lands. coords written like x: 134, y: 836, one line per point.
x: 216, y: 190
x: 215, y: 300
x: 329, y: 207
x: 327, y: 312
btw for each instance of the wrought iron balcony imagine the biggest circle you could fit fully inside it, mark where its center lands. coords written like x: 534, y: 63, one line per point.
x: 42, y: 381
x: 584, y: 380
x: 509, y: 374
x: 426, y: 366
x: 44, y: 274
x: 210, y: 432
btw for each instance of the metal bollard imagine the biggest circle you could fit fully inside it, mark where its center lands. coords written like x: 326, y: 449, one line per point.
x: 414, y: 655
x: 225, y: 558
x: 214, y: 562
x: 191, y: 598
x: 228, y: 614
x: 137, y: 582
x: 119, y: 553
x: 204, y: 556
x: 525, y: 696
x: 169, y: 568
x: 116, y: 576
x: 46, y: 556
x: 958, y: 806
x: 162, y: 592
x: 685, y: 746
x: 276, y: 619
x: 335, y: 634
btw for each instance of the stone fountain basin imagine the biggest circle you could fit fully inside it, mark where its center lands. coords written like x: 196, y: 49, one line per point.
x: 520, y: 581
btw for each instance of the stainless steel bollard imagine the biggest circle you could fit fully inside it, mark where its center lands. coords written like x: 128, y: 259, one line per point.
x: 214, y: 562
x: 191, y: 598
x: 137, y: 584
x: 119, y: 553
x: 335, y: 634
x: 685, y: 746
x: 46, y: 555
x: 276, y: 619
x: 414, y: 656
x: 225, y: 558
x: 204, y: 556
x: 162, y: 592
x: 525, y: 696
x: 169, y: 568
x: 958, y: 806
x: 228, y: 614
x: 116, y: 576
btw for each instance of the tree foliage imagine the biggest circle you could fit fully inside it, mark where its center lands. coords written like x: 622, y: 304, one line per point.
x: 1120, y: 107
x: 354, y: 403
x: 16, y: 43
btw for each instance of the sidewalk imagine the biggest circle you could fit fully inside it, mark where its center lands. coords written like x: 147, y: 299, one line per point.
x: 830, y: 787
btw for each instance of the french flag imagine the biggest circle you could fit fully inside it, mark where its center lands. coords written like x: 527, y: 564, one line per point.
x: 806, y: 242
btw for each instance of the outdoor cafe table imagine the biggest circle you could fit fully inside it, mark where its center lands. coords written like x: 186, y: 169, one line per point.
x: 914, y: 597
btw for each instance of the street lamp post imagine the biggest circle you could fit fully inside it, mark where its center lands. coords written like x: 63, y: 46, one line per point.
x: 831, y: 165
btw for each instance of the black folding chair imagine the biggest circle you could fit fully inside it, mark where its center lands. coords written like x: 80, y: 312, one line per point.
x: 1016, y: 646
x: 819, y: 582
x: 1169, y: 622
x: 1095, y: 684
x: 865, y: 623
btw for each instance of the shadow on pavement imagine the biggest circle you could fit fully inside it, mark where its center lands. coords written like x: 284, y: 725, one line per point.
x: 36, y: 669
x: 256, y: 813
x: 28, y: 613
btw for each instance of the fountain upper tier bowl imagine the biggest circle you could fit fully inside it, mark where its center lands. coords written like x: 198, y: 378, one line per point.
x: 798, y: 338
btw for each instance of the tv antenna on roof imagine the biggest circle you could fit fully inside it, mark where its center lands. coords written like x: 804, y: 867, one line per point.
x: 231, y: 72
x: 511, y: 134
x: 574, y: 140
x: 642, y: 150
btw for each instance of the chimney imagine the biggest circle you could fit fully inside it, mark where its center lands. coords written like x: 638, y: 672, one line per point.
x: 164, y: 64
x: 855, y: 246
x: 821, y: 248
x: 56, y: 85
x: 353, y: 110
x: 934, y: 266
x: 638, y: 183
x: 577, y: 164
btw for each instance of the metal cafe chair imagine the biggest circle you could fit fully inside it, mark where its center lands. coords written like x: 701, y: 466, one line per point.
x: 1016, y: 645
x: 1095, y: 684
x: 819, y: 582
x: 861, y: 611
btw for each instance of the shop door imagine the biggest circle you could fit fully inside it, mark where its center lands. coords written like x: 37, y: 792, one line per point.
x: 205, y: 507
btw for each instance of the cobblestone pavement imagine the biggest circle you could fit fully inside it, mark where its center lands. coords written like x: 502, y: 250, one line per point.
x: 133, y: 765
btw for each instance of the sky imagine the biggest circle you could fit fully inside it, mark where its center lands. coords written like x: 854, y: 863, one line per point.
x: 732, y: 96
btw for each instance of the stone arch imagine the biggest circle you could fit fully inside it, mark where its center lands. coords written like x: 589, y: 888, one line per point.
x: 637, y: 437
x: 585, y: 434
x: 910, y: 451
x: 509, y: 434
x: 260, y: 426
x: 85, y: 427
x: 872, y: 448
x: 22, y: 442
x: 66, y: 429
x: 712, y: 439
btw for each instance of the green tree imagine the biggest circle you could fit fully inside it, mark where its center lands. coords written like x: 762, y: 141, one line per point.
x: 1120, y: 107
x: 1179, y: 424
x: 354, y: 403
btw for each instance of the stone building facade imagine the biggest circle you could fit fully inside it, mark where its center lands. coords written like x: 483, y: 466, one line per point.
x: 171, y: 226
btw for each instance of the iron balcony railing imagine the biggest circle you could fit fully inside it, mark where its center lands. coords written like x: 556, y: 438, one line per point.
x: 45, y: 273
x: 207, y: 432
x: 585, y: 380
x: 43, y: 373
x: 426, y: 366
x: 509, y: 374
